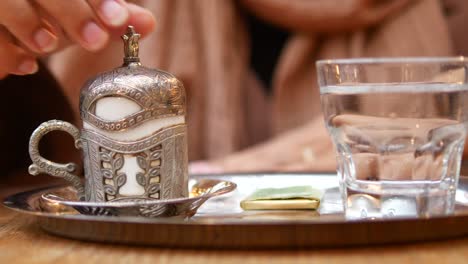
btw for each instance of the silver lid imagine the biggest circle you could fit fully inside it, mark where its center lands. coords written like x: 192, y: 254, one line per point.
x: 158, y: 93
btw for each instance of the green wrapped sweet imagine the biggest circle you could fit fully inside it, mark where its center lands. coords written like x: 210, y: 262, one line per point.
x: 288, y: 198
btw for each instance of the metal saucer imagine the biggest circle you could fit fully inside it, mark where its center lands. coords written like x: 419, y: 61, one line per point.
x: 64, y: 200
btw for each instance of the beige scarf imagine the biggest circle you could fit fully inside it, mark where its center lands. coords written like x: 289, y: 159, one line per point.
x: 231, y: 120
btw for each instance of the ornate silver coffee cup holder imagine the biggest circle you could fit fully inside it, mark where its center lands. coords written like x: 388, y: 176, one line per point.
x: 64, y: 200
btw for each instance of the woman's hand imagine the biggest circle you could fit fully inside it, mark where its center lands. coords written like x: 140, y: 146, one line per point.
x: 31, y: 28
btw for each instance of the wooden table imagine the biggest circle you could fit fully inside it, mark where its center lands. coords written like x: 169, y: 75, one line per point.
x: 22, y: 241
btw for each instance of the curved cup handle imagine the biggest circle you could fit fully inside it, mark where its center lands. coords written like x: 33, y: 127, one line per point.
x: 42, y: 165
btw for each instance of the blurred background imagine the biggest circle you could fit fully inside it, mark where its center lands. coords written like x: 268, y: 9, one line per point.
x: 248, y: 67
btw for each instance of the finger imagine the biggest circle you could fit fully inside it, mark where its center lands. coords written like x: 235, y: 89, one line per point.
x: 78, y: 21
x: 382, y: 10
x: 54, y: 26
x: 15, y: 60
x: 25, y: 24
x: 141, y: 18
x: 113, y: 13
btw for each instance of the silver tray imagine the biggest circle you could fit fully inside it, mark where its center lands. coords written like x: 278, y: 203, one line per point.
x: 221, y: 223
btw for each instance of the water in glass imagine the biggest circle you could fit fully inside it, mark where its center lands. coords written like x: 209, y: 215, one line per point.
x: 398, y: 146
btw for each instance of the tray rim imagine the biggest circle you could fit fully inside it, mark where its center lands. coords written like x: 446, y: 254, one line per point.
x: 250, y: 233
x: 204, y: 221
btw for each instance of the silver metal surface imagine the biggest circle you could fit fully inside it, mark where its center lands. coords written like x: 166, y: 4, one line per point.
x: 110, y: 148
x: 161, y: 160
x: 42, y: 165
x: 64, y: 201
x: 220, y: 222
x: 158, y: 93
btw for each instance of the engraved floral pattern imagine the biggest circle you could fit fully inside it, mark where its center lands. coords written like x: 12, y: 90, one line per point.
x: 111, y: 163
x: 150, y: 162
x: 158, y: 93
x: 165, y: 176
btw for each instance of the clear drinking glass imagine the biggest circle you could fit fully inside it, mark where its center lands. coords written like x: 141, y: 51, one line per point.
x: 398, y: 126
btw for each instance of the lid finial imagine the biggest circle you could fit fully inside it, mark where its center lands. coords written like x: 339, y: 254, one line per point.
x: 131, y: 46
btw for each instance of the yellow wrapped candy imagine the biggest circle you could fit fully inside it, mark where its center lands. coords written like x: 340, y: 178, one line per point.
x: 288, y: 198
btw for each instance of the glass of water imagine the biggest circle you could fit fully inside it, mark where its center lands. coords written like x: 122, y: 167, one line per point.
x: 398, y: 126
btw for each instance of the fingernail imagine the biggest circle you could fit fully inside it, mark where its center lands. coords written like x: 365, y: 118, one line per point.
x: 45, y: 40
x: 28, y: 66
x: 114, y: 13
x: 94, y: 36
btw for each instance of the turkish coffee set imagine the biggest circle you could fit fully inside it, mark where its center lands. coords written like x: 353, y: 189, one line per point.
x: 137, y: 189
x: 134, y: 144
